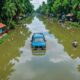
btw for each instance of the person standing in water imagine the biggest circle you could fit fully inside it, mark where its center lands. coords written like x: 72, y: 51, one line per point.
x: 75, y: 44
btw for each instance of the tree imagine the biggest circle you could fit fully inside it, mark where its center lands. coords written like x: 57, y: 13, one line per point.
x: 50, y: 4
x: 11, y: 9
x: 61, y: 7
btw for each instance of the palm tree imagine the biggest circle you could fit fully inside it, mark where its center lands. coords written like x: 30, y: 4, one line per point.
x: 9, y: 10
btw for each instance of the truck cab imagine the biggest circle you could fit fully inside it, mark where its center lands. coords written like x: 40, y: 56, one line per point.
x: 38, y: 41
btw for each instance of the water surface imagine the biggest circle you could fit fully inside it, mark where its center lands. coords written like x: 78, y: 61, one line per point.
x: 52, y: 64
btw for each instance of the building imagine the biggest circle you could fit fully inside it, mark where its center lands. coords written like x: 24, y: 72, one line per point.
x: 2, y: 28
x: 70, y: 17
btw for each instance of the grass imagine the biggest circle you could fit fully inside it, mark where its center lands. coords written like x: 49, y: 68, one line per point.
x: 27, y: 20
x: 10, y: 49
x: 4, y: 38
x: 72, y: 24
x: 64, y: 36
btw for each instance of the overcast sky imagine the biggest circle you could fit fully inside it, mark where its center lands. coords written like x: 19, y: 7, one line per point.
x: 37, y: 3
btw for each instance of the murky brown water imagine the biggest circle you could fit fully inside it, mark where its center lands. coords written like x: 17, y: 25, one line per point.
x: 52, y: 64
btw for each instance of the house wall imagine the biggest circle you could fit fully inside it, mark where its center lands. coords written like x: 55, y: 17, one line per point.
x: 1, y: 31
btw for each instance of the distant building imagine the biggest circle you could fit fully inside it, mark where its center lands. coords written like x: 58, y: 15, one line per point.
x: 70, y: 16
x: 2, y: 28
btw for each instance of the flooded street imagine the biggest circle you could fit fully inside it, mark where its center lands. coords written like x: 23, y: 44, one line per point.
x: 52, y: 64
x: 51, y: 54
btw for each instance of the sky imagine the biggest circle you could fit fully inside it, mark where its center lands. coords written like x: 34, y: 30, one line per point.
x: 37, y: 3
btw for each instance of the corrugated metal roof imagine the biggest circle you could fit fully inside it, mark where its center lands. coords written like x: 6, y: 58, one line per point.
x: 2, y: 25
x: 70, y: 14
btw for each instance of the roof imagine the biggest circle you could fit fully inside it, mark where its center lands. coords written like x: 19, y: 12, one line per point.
x: 38, y: 35
x: 2, y: 25
x: 70, y: 14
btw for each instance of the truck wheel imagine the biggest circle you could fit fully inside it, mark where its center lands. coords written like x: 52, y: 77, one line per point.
x: 43, y: 48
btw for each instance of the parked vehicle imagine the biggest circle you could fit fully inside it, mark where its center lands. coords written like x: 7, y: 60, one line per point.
x: 38, y: 41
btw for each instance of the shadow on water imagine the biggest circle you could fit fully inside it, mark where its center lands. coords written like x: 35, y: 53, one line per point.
x: 38, y: 52
x: 55, y: 64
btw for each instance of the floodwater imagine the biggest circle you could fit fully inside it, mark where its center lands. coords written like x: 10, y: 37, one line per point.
x: 52, y: 64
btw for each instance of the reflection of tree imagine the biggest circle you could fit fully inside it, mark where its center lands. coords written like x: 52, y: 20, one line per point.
x: 5, y: 71
x: 6, y: 67
x: 38, y: 52
x: 78, y: 68
x: 65, y: 36
x: 9, y: 51
x: 28, y: 20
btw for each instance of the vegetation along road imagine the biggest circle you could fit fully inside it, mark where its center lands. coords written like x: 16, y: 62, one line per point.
x: 58, y: 21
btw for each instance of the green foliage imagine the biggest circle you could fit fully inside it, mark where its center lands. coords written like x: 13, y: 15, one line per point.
x: 78, y: 14
x: 3, y: 39
x: 74, y: 24
x: 10, y: 10
x: 50, y: 4
x: 44, y: 8
x: 61, y: 6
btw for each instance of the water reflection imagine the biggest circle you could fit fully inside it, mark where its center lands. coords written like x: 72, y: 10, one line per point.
x: 9, y: 51
x: 78, y: 68
x: 56, y: 64
x: 38, y: 52
x: 5, y: 70
x: 65, y: 36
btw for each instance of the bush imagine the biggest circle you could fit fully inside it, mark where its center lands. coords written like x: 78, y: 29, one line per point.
x: 74, y: 24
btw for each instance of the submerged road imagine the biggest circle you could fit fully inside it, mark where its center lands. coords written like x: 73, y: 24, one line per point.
x: 52, y: 64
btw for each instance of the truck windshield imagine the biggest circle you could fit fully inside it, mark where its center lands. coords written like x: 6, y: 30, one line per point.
x: 39, y: 40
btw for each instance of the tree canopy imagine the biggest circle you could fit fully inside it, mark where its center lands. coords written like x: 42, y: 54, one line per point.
x: 54, y: 7
x: 10, y: 10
